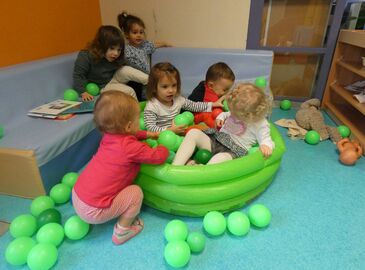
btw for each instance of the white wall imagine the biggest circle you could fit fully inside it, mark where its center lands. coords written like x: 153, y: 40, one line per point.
x: 187, y: 23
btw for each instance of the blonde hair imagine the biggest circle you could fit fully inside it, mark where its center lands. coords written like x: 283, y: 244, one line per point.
x: 158, y: 71
x: 113, y: 110
x: 248, y: 103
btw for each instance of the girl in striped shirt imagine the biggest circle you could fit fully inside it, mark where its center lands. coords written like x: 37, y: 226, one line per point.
x: 164, y: 100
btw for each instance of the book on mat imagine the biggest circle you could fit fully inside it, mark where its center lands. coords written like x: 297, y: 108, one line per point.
x: 84, y: 107
x: 53, y: 109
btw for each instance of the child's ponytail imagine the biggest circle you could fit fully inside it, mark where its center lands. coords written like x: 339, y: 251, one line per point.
x: 125, y: 22
x: 122, y: 19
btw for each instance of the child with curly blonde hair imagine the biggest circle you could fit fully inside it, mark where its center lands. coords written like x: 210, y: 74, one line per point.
x: 241, y: 128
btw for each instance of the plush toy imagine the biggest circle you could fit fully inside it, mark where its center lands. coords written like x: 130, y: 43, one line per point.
x: 310, y: 117
x: 350, y: 151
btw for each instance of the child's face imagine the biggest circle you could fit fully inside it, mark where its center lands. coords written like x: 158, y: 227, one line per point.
x: 166, y: 90
x: 136, y: 35
x: 220, y: 86
x: 113, y: 53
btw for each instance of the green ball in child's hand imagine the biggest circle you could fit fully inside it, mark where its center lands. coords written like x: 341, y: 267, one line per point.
x: 344, y: 131
x: 225, y: 106
x: 93, y: 89
x: 181, y: 120
x: 70, y: 95
x: 189, y: 116
x: 285, y: 104
x: 167, y: 138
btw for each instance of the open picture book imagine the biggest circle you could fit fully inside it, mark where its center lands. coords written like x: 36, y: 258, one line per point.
x: 53, y: 109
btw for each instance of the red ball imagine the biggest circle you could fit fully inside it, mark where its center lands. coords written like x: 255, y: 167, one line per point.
x: 216, y: 112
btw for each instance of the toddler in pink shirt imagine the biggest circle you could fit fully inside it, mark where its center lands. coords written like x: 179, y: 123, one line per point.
x: 105, y: 190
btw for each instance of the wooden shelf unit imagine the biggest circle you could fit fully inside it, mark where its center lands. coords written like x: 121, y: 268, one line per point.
x: 346, y: 69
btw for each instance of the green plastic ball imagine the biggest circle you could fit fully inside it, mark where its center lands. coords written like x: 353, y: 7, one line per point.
x: 1, y: 132
x: 142, y: 126
x: 167, y: 138
x: 225, y: 106
x: 196, y: 242
x: 51, y: 215
x: 177, y: 253
x: 93, y: 89
x: 189, y: 116
x: 171, y: 157
x: 152, y: 143
x: 60, y: 193
x: 70, y: 179
x: 259, y: 215
x: 312, y: 137
x: 42, y: 256
x: 260, y: 82
x: 51, y: 233
x: 23, y: 225
x: 40, y: 204
x: 76, y: 228
x: 344, y: 131
x: 181, y: 120
x: 176, y: 230
x: 71, y: 95
x: 179, y: 140
x: 202, y: 156
x: 17, y: 251
x: 238, y: 223
x: 214, y: 223
x: 285, y: 105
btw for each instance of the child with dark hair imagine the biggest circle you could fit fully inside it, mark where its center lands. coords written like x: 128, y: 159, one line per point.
x: 218, y: 80
x: 102, y: 63
x: 105, y: 190
x: 138, y: 50
x: 164, y: 100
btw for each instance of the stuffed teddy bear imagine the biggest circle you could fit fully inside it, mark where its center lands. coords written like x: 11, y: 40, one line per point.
x: 310, y: 117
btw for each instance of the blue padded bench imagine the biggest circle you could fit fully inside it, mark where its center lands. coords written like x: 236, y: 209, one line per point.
x: 193, y: 63
x: 35, y: 153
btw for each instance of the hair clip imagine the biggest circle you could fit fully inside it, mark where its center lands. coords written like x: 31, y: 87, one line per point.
x: 125, y: 15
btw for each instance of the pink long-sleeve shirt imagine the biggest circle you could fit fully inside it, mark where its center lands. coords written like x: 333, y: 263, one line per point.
x: 115, y: 166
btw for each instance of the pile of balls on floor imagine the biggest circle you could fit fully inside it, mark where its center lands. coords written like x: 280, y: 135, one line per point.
x: 181, y: 243
x: 45, y: 222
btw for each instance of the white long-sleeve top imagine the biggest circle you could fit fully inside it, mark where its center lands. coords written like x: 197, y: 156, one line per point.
x: 158, y: 116
x: 246, y: 135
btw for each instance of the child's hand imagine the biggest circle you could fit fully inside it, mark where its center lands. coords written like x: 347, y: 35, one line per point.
x: 219, y: 123
x: 180, y: 130
x: 153, y: 135
x: 219, y: 102
x: 266, y: 150
x: 86, y: 96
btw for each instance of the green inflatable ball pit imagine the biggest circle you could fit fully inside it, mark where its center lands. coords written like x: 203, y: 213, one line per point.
x: 197, y: 190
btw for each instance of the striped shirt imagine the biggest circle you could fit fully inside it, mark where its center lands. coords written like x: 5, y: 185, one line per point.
x: 158, y: 117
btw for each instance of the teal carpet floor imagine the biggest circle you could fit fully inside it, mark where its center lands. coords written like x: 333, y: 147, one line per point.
x: 318, y: 222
